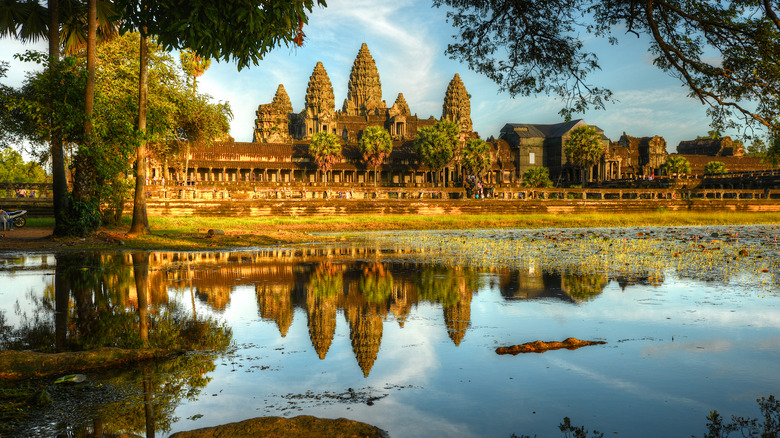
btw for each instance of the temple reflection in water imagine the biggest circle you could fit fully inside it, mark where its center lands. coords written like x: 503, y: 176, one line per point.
x: 365, y: 285
x: 368, y: 286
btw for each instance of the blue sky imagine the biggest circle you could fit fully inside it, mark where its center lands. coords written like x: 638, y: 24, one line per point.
x: 407, y: 39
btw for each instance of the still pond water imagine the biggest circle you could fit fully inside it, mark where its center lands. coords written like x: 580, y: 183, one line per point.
x: 405, y: 338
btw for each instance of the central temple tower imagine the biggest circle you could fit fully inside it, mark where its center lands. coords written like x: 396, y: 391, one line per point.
x: 364, y: 91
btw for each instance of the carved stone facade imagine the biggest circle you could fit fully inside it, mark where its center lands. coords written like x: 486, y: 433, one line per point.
x: 362, y: 108
x: 457, y: 105
x: 271, y: 124
x: 364, y: 91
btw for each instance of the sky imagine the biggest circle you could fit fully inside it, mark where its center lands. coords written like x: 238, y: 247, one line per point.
x: 407, y: 39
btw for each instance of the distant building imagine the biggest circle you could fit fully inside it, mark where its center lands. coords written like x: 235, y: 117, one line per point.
x: 543, y: 145
x: 712, y: 147
x: 642, y: 156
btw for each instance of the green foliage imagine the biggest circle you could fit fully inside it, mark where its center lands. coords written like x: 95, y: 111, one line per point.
x: 51, y: 100
x: 584, y: 287
x: 375, y: 144
x: 537, y: 177
x: 376, y: 284
x: 325, y: 149
x: 725, y: 53
x: 436, y: 144
x: 13, y: 168
x: 209, y: 28
x: 584, y: 148
x: 325, y: 283
x: 676, y: 165
x: 713, y: 134
x: 757, y: 148
x: 715, y: 167
x: 476, y: 157
x: 772, y: 155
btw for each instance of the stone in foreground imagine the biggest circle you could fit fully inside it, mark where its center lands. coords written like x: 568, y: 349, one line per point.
x: 304, y: 426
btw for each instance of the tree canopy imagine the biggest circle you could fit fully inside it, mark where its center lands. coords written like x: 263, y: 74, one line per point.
x: 375, y: 144
x: 537, y: 177
x: 476, y: 157
x: 177, y: 114
x: 726, y: 53
x: 676, y: 165
x: 325, y: 149
x: 715, y: 167
x: 13, y: 168
x: 230, y: 30
x: 436, y: 144
x: 584, y: 148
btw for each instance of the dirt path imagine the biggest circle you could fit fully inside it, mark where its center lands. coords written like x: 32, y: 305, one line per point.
x: 41, y: 239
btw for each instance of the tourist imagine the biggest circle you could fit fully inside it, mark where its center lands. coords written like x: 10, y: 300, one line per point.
x: 5, y: 221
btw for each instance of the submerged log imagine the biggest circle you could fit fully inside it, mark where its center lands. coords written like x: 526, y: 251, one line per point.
x: 541, y: 346
x: 304, y: 426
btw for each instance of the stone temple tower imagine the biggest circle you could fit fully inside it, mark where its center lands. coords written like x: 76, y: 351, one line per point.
x: 457, y: 107
x: 320, y: 104
x: 271, y: 125
x: 364, y: 91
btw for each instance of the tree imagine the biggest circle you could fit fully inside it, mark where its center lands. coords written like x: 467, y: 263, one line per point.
x: 772, y: 154
x: 436, y: 145
x: 30, y: 21
x: 676, y: 165
x: 27, y: 22
x: 209, y: 29
x: 724, y: 52
x: 715, y: 167
x: 476, y: 157
x: 13, y: 168
x: 194, y: 66
x: 583, y: 149
x: 325, y: 149
x: 375, y: 144
x: 537, y: 177
x: 757, y: 148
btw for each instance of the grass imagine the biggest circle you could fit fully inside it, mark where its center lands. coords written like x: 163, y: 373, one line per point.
x: 190, y: 233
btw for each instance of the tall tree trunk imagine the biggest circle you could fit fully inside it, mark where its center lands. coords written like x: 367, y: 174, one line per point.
x: 89, y: 101
x: 60, y: 182
x: 84, y: 182
x: 140, y: 224
x: 61, y: 301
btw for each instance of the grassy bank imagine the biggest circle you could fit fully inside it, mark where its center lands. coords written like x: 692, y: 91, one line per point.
x: 191, y: 233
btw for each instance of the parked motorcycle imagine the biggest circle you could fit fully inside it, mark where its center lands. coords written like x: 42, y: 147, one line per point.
x: 19, y: 217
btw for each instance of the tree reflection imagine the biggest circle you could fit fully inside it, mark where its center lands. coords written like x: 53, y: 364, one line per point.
x: 584, y: 287
x: 105, y: 300
x: 376, y: 283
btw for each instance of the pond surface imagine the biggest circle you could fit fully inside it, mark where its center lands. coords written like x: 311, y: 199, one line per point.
x: 400, y: 331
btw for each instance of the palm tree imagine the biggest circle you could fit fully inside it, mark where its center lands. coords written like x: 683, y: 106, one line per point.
x: 375, y: 144
x: 676, y: 164
x: 584, y: 148
x: 324, y: 148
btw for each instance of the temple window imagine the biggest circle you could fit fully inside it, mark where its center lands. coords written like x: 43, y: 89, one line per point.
x: 532, y: 158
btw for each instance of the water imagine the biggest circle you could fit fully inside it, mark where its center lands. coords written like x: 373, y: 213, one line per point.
x: 383, y: 337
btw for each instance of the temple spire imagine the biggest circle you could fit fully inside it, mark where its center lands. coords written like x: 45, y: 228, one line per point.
x: 364, y: 91
x: 457, y: 107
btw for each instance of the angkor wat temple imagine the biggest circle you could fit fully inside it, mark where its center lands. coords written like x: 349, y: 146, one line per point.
x: 279, y: 153
x: 277, y: 123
